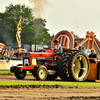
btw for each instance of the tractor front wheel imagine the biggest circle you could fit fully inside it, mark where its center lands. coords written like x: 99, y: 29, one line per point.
x: 20, y: 75
x: 41, y: 73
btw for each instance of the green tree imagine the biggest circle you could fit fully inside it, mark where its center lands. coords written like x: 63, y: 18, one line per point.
x: 43, y: 37
x: 11, y: 17
x: 8, y: 25
x: 75, y: 35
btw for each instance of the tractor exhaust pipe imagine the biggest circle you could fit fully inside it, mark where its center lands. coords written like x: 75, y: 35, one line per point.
x: 35, y: 44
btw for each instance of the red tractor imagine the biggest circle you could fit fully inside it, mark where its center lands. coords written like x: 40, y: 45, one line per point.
x: 72, y: 64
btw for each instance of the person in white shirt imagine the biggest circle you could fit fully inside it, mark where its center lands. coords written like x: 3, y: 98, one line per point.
x: 58, y: 48
x: 12, y: 53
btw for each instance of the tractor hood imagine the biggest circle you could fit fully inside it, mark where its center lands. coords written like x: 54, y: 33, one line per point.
x: 41, y: 54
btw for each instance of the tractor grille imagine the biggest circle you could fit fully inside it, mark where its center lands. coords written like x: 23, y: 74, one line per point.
x: 26, y: 59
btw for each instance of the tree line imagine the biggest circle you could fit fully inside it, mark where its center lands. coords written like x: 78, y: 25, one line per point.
x: 8, y: 26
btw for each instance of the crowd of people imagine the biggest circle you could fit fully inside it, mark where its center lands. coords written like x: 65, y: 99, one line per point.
x: 7, y: 54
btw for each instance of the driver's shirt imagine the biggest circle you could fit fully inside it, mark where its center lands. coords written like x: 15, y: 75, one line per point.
x: 60, y: 48
x: 92, y: 56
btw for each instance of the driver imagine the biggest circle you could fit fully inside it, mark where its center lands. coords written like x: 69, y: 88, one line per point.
x: 92, y: 56
x: 58, y: 48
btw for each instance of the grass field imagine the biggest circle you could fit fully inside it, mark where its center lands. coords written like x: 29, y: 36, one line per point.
x: 20, y: 82
x: 78, y: 84
x: 5, y: 72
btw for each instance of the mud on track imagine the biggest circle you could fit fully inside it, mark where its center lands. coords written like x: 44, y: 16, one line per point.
x: 45, y: 92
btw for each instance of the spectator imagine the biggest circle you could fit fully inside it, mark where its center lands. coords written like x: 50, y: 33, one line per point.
x: 5, y: 54
x: 12, y: 53
x: 2, y: 54
x: 97, y: 56
x: 37, y: 49
x: 32, y: 51
x: 92, y: 56
x: 8, y: 54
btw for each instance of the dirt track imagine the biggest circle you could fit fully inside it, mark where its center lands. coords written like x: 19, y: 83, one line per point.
x: 45, y: 92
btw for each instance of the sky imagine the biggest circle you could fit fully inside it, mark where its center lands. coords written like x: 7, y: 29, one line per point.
x: 78, y: 16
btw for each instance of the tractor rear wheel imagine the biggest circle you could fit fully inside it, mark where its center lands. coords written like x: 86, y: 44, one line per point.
x: 78, y: 67
x: 41, y: 73
x: 73, y: 66
x: 20, y: 75
x: 63, y: 65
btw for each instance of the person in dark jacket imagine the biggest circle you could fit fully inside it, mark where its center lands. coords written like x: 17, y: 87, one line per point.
x: 92, y: 56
